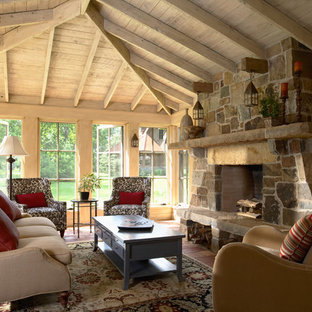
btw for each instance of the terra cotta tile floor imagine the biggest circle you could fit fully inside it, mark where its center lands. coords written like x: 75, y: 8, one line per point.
x: 195, y: 251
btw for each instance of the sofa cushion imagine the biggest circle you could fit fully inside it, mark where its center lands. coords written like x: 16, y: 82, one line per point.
x: 9, y: 207
x: 128, y: 198
x: 36, y: 230
x: 308, y: 257
x: 32, y: 199
x: 53, y: 245
x: 8, y: 233
x: 298, y: 241
x: 34, y: 221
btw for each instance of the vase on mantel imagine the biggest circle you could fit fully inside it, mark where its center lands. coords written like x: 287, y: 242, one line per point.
x: 186, y: 121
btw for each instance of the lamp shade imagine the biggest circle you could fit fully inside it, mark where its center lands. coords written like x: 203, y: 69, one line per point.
x: 11, y: 145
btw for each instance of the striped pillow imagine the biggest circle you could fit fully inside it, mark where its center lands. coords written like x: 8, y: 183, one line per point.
x: 298, y: 241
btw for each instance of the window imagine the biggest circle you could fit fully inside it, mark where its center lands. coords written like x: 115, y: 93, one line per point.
x: 153, y: 148
x: 9, y: 127
x: 183, y: 177
x: 58, y: 158
x: 107, y: 156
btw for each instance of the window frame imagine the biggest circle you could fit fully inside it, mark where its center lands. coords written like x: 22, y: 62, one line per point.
x: 121, y: 153
x: 152, y: 153
x: 57, y: 151
x: 183, y: 178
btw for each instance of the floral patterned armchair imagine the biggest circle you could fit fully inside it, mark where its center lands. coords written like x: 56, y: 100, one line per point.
x: 129, y: 184
x: 56, y: 210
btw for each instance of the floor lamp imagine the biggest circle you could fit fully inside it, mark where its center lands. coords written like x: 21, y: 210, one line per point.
x: 11, y: 146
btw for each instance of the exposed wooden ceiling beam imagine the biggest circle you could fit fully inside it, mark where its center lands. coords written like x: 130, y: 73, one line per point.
x: 87, y: 67
x: 181, y: 97
x: 4, y: 61
x: 171, y: 33
x: 119, y: 46
x: 161, y: 72
x: 47, y: 66
x: 213, y: 22
x: 61, y: 14
x: 156, y: 50
x: 175, y: 106
x: 281, y: 20
x: 115, y: 83
x: 27, y: 17
x: 136, y: 100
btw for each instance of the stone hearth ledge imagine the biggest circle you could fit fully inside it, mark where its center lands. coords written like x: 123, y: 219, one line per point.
x: 290, y: 131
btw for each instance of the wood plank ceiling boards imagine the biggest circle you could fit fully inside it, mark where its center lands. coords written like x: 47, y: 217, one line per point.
x: 171, y: 33
x: 281, y: 20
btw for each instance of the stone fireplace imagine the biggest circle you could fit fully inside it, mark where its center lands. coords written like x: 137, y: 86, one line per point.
x: 238, y: 138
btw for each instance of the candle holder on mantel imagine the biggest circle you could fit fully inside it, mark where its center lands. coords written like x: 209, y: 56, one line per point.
x: 284, y: 97
x: 298, y: 71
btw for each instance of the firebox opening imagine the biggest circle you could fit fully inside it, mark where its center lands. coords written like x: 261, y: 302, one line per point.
x: 240, y: 182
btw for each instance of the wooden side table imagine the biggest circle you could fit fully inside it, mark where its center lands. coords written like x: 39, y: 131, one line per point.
x: 92, y: 203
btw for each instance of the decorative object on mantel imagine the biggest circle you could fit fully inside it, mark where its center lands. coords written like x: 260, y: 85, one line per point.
x: 269, y: 106
x: 251, y: 96
x: 298, y: 71
x: 186, y: 121
x: 194, y: 132
x: 134, y: 141
x: 284, y: 97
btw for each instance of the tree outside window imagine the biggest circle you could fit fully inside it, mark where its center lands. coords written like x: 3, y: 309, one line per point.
x: 58, y: 158
x: 9, y: 127
x: 107, y: 157
x: 152, y: 158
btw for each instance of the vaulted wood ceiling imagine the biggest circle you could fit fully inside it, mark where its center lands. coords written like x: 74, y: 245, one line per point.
x: 134, y: 55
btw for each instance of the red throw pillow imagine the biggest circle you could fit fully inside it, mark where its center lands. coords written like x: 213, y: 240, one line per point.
x: 8, y: 233
x: 32, y: 200
x: 298, y: 241
x: 9, y: 207
x: 127, y: 198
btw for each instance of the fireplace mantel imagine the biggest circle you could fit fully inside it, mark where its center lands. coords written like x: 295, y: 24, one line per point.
x: 291, y: 131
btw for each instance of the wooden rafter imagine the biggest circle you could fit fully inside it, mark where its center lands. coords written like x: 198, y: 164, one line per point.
x: 115, y: 83
x: 213, y: 22
x: 172, y: 104
x: 136, y: 100
x: 281, y: 20
x: 119, y: 46
x: 3, y: 56
x: 28, y: 17
x: 181, y: 97
x: 170, y: 32
x: 47, y: 66
x: 61, y: 14
x: 87, y: 67
x: 161, y: 72
x: 150, y: 47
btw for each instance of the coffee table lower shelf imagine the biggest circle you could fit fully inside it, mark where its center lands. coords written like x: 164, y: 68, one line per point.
x: 138, y: 268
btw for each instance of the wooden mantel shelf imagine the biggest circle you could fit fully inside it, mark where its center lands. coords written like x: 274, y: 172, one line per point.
x: 291, y: 131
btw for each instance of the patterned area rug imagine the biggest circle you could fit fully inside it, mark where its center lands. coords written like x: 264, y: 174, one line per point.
x: 97, y: 287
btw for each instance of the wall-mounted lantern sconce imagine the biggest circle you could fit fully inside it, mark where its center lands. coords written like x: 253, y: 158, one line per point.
x: 251, y: 96
x: 135, y: 141
x: 198, y: 111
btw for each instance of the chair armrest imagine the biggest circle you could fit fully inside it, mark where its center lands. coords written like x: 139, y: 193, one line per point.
x: 108, y: 204
x: 247, y: 278
x: 29, y: 271
x: 146, y: 207
x: 59, y: 205
x: 22, y: 207
x: 265, y: 236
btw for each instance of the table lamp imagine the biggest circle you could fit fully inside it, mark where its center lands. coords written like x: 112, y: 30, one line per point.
x: 11, y: 146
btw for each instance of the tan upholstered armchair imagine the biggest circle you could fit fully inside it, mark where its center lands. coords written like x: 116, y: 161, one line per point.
x: 56, y: 210
x: 129, y: 184
x: 251, y: 277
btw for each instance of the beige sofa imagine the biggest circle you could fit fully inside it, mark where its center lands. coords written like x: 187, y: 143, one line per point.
x: 251, y: 277
x: 38, y: 265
